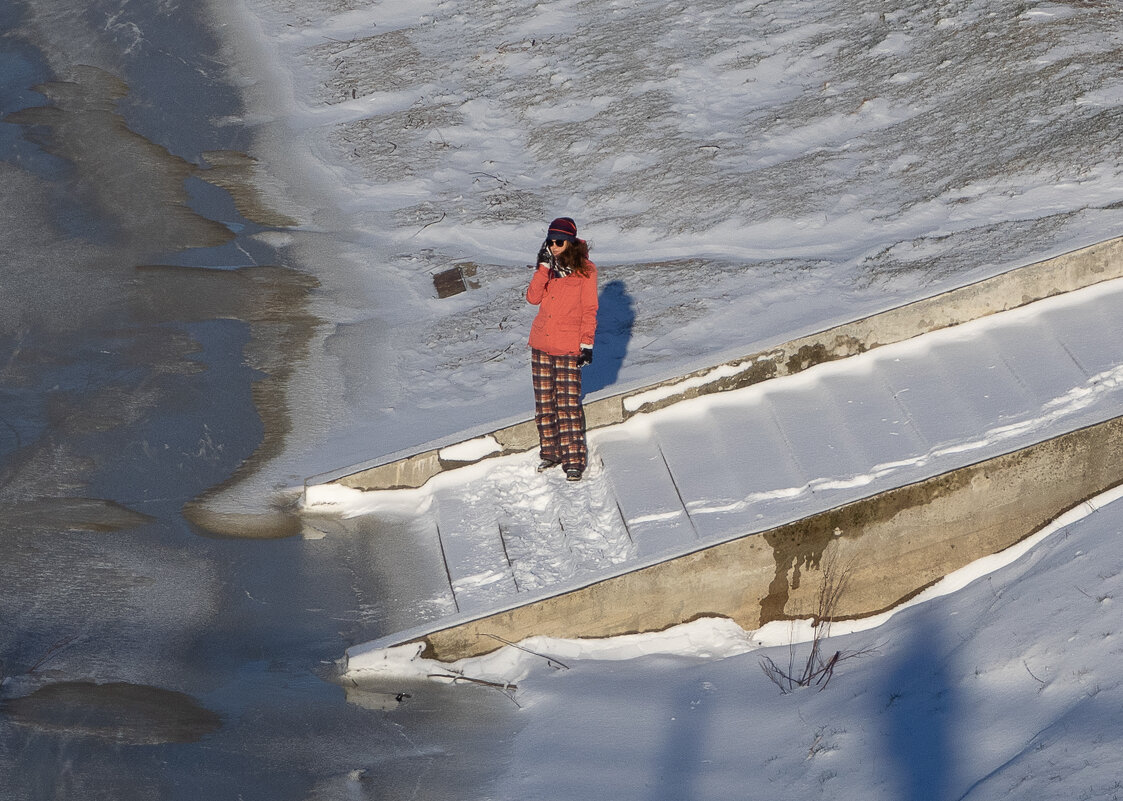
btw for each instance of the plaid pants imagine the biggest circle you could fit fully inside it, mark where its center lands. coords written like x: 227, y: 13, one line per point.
x: 557, y: 409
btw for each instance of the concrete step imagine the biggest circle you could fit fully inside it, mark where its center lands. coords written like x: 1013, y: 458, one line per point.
x: 922, y: 387
x: 408, y: 583
x: 717, y: 468
x: 645, y: 493
x: 1039, y: 359
x: 979, y: 375
x: 1091, y: 333
x: 820, y: 438
x: 744, y: 440
x: 479, y: 569
x: 868, y: 404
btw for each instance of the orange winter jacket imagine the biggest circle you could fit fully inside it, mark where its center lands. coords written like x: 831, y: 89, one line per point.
x: 567, y: 313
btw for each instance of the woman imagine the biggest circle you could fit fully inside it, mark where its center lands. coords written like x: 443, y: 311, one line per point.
x: 564, y: 287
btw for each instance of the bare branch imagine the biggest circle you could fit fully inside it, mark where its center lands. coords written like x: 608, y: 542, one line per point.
x: 816, y: 670
x: 554, y: 663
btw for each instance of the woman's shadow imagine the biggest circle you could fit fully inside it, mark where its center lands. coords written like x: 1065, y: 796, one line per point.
x: 615, y: 319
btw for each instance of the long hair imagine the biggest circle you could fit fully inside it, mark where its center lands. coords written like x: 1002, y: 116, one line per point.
x: 575, y: 258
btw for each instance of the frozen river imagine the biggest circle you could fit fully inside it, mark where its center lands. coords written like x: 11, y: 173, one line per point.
x: 143, y: 657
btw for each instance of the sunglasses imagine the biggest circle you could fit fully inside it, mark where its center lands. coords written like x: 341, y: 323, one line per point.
x: 556, y: 243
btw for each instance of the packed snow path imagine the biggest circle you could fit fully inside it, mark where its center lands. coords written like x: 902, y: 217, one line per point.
x: 662, y: 484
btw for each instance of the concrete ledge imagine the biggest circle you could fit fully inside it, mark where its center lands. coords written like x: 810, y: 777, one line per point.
x: 1018, y: 287
x: 892, y: 545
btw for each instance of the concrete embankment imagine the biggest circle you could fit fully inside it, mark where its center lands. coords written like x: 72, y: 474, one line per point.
x: 889, y: 477
x: 886, y: 547
x: 1018, y: 287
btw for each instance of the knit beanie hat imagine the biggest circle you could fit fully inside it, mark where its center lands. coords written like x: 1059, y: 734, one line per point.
x: 563, y: 228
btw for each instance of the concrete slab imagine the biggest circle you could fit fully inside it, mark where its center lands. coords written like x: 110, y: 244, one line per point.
x: 649, y: 502
x: 868, y: 404
x: 815, y: 433
x: 1091, y: 335
x: 474, y: 554
x: 1036, y: 355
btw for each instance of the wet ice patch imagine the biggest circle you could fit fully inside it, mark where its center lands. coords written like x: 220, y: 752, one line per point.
x: 131, y: 714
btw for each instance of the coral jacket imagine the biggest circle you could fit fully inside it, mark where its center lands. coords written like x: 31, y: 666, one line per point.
x: 567, y: 313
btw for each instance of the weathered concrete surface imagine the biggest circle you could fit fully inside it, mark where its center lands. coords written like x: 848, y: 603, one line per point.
x: 1010, y: 290
x: 891, y: 546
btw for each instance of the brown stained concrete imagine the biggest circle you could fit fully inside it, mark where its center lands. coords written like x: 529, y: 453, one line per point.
x: 1065, y: 273
x: 890, y: 547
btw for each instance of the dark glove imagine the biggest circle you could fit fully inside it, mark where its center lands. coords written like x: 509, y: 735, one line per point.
x: 544, y: 256
x: 586, y: 357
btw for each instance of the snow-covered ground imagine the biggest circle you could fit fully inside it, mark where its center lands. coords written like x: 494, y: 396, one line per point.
x: 1001, y: 682
x: 746, y: 171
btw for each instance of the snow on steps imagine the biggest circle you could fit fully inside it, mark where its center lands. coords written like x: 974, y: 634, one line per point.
x: 720, y: 466
x: 645, y: 491
x: 513, y: 530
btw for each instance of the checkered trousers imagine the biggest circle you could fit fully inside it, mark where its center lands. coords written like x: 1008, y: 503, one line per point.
x: 557, y: 409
